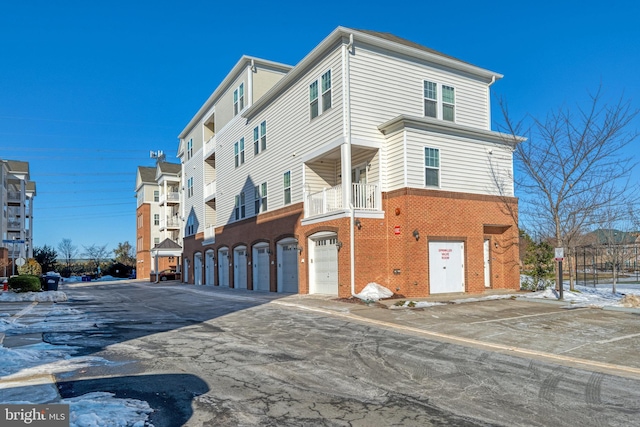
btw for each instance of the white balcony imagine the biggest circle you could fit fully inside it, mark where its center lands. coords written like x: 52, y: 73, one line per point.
x: 210, y: 191
x: 210, y: 233
x: 169, y: 223
x: 210, y: 146
x: 363, y: 196
x: 14, y: 196
x: 169, y: 198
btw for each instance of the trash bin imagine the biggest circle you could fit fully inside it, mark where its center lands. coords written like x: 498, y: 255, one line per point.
x: 52, y: 283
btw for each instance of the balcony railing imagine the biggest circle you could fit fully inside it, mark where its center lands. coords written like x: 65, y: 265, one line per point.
x: 363, y: 197
x: 170, y: 222
x: 209, y: 232
x: 172, y: 197
x: 14, y: 225
x: 14, y: 196
x: 210, y: 190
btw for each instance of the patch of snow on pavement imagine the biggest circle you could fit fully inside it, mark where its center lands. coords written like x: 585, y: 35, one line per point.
x: 374, y: 292
x: 48, y: 296
x: 101, y: 409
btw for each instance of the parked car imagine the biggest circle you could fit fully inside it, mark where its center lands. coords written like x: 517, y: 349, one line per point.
x: 167, y: 274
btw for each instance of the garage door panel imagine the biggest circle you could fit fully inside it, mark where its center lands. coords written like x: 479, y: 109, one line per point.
x: 289, y: 267
x: 325, y: 266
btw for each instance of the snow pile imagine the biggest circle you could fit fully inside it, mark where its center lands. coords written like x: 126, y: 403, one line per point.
x: 102, y: 409
x: 48, y: 296
x: 374, y: 292
x: 415, y: 304
x: 630, y: 301
x: 26, y: 357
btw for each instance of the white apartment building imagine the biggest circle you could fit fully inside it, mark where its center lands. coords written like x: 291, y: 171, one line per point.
x: 371, y: 160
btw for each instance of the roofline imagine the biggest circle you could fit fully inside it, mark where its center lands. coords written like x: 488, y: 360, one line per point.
x: 343, y: 32
x: 232, y: 75
x: 403, y: 121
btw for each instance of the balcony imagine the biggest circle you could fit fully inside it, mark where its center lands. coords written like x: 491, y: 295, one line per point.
x: 170, y: 223
x: 172, y: 198
x: 210, y: 191
x: 13, y: 224
x: 210, y: 234
x: 364, y: 197
x: 14, y: 196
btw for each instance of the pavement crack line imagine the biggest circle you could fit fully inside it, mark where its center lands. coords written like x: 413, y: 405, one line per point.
x: 566, y: 360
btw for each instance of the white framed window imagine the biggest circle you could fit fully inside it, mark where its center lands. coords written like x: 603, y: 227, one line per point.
x: 326, y: 91
x: 431, y: 167
x: 238, y: 99
x: 320, y: 101
x: 156, y: 240
x: 156, y: 219
x: 260, y: 138
x: 239, y: 209
x: 430, y: 99
x: 448, y: 103
x: 189, y: 148
x: 238, y: 149
x: 260, y: 204
x: 190, y: 187
x: 140, y: 221
x: 287, y: 187
x: 156, y: 195
x: 439, y: 101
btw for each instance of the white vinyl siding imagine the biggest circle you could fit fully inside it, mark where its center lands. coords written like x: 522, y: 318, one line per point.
x: 384, y: 87
x: 193, y: 169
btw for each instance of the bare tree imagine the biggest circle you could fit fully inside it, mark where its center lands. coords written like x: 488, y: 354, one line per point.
x: 571, y: 166
x: 95, y: 254
x: 68, y: 252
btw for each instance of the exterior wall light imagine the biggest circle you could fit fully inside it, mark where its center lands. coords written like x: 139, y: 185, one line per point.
x: 339, y: 245
x: 416, y: 234
x: 358, y: 224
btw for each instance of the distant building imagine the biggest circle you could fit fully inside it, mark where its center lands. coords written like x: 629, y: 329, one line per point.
x: 371, y: 160
x: 16, y: 225
x: 157, y: 215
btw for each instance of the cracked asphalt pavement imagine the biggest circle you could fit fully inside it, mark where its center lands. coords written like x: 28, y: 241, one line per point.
x: 219, y: 357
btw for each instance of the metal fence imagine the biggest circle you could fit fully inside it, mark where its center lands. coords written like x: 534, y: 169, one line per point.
x: 594, y: 263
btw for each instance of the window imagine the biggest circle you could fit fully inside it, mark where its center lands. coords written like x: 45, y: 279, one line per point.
x: 260, y: 198
x: 260, y: 138
x: 313, y: 99
x: 156, y: 219
x: 191, y: 225
x: 448, y: 103
x: 239, y: 207
x: 140, y: 221
x: 140, y: 244
x: 430, y: 99
x: 287, y: 187
x: 190, y: 187
x: 238, y: 149
x: 326, y: 91
x: 318, y: 105
x: 156, y: 240
x: 189, y: 149
x: 432, y: 167
x: 156, y: 196
x: 238, y: 99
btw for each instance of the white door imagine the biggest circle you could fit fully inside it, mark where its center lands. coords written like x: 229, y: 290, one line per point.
x: 208, y: 268
x: 261, y: 274
x: 197, y: 269
x: 223, y: 267
x: 487, y: 264
x: 446, y: 267
x: 185, y: 279
x: 240, y: 267
x: 324, y: 266
x: 288, y: 266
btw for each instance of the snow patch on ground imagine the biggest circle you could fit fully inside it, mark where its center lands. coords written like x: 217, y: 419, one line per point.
x: 102, y: 409
x: 374, y: 292
x: 48, y: 296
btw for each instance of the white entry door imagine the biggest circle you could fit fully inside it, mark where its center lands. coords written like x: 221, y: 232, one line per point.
x: 446, y: 267
x: 223, y: 267
x: 487, y: 264
x: 197, y: 269
x: 240, y: 267
x: 185, y: 272
x: 324, y: 266
x: 261, y: 274
x: 208, y: 268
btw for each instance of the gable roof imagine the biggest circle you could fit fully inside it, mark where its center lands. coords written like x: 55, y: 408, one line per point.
x: 167, y: 244
x: 16, y: 166
x: 170, y: 168
x: 147, y: 174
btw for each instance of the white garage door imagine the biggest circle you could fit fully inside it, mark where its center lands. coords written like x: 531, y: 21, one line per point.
x: 223, y: 268
x: 208, y: 268
x: 261, y: 280
x: 324, y: 266
x: 240, y: 268
x: 288, y: 267
x: 446, y: 267
x: 197, y: 269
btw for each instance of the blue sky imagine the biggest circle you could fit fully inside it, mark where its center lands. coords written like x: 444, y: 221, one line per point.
x: 88, y: 88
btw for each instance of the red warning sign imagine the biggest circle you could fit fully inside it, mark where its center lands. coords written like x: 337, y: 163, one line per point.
x: 396, y: 230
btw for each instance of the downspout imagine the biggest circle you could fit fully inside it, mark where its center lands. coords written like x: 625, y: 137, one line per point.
x: 346, y: 78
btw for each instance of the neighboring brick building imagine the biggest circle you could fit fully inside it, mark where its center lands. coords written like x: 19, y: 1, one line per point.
x: 372, y: 160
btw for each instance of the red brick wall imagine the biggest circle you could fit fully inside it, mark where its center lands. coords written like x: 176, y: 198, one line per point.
x: 436, y: 215
x: 144, y: 268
